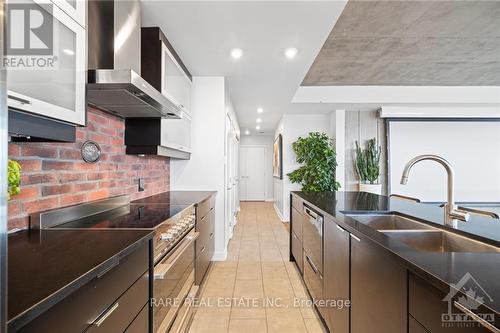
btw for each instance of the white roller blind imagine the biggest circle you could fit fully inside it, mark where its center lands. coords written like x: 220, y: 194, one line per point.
x: 472, y: 147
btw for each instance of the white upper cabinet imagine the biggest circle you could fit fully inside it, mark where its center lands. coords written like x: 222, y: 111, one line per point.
x: 175, y: 84
x: 76, y: 9
x: 56, y: 91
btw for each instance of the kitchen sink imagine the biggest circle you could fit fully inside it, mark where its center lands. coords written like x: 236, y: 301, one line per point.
x: 389, y: 222
x: 421, y: 236
x: 439, y: 241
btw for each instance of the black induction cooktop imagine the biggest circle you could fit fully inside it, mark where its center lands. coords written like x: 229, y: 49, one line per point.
x: 132, y: 216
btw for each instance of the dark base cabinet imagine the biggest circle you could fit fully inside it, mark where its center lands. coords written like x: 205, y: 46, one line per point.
x: 336, y: 276
x: 427, y: 304
x: 378, y: 290
x: 205, y: 243
x: 108, y: 303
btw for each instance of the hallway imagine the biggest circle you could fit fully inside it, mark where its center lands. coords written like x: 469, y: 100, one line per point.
x: 257, y: 289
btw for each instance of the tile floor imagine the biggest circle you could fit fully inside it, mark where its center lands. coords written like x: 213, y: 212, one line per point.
x: 256, y: 274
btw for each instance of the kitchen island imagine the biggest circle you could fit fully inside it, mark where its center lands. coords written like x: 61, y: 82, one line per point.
x: 356, y: 246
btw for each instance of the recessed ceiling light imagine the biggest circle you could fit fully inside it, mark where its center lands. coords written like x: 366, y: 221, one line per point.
x: 260, y: 110
x: 236, y: 53
x: 247, y: 132
x: 257, y: 127
x: 291, y: 52
x: 259, y: 120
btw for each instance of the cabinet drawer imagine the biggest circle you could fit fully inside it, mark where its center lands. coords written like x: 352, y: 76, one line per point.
x: 206, y: 224
x: 141, y: 322
x: 205, y: 242
x: 204, y: 207
x: 297, y: 222
x: 81, y: 308
x: 426, y: 305
x: 314, y: 282
x: 297, y: 203
x: 202, y: 262
x: 297, y: 252
x: 415, y: 327
x: 121, y: 313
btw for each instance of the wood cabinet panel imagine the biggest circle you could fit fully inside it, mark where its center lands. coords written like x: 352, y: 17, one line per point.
x: 336, y: 275
x: 378, y: 290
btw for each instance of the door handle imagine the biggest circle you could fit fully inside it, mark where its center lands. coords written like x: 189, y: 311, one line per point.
x: 105, y: 315
x: 354, y: 237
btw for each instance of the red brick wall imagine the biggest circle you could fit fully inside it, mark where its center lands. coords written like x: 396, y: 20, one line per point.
x: 55, y: 175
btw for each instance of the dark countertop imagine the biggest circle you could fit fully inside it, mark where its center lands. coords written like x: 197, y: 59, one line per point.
x: 440, y: 269
x: 176, y: 198
x: 46, y: 266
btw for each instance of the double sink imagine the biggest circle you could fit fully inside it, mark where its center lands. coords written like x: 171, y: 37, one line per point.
x: 421, y: 236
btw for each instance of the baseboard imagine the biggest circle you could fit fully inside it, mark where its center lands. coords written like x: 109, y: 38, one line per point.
x: 220, y: 256
x: 270, y: 200
x: 279, y: 214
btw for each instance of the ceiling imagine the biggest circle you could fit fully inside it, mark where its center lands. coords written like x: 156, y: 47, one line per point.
x: 204, y: 32
x: 411, y: 43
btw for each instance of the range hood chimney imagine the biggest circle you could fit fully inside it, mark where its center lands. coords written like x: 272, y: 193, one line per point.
x: 114, y: 63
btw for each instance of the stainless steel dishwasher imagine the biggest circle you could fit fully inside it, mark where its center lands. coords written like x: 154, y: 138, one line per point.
x: 312, y: 235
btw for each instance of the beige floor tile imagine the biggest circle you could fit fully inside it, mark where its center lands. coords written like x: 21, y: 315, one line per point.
x: 249, y: 271
x: 285, y: 320
x: 257, y: 270
x: 249, y: 289
x: 314, y: 326
x: 247, y: 326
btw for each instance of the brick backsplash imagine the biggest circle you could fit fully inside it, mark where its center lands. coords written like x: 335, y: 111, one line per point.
x: 55, y: 175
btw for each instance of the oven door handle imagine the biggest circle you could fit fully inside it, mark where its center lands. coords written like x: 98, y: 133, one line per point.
x: 164, y: 266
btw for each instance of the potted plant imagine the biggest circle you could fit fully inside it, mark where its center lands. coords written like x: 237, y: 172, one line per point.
x: 14, y: 178
x: 316, y: 154
x: 367, y: 164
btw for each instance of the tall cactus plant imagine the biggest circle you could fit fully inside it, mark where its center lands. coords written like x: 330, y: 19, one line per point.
x: 367, y: 162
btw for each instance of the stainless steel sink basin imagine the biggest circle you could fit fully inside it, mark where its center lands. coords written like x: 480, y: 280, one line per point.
x: 421, y: 236
x: 439, y: 241
x: 389, y: 222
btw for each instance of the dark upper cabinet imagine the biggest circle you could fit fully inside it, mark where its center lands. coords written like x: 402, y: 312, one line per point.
x: 162, y: 67
x: 336, y: 275
x: 378, y: 289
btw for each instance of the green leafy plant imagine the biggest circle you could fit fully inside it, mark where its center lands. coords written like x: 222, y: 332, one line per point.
x: 14, y: 178
x: 367, y: 162
x: 317, y: 155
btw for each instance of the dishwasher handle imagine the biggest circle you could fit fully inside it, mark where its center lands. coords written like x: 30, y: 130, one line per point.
x: 311, y: 213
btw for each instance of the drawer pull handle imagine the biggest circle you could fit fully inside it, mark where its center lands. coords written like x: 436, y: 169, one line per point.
x: 19, y: 99
x: 106, y: 314
x: 313, y: 267
x: 355, y: 237
x: 341, y: 229
x: 474, y: 316
x: 113, y: 265
x: 211, y: 235
x: 202, y: 250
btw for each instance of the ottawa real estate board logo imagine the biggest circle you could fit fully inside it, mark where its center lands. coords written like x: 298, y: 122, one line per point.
x: 465, y: 305
x: 29, y: 37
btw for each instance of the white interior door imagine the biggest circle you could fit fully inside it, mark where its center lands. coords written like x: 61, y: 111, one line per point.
x: 252, y: 173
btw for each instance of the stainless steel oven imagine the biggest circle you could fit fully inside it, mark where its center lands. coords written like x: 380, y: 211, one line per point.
x: 173, y: 287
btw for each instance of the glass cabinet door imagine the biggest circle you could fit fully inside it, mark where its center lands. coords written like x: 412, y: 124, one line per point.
x: 76, y: 9
x: 57, y: 92
x: 175, y: 83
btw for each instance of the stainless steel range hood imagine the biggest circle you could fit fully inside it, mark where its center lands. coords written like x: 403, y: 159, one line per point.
x: 114, y: 63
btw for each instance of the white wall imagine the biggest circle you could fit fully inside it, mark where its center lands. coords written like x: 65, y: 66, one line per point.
x: 267, y: 141
x: 206, y: 168
x: 293, y: 126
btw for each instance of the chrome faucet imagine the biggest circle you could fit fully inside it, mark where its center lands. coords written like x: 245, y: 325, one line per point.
x: 451, y: 212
